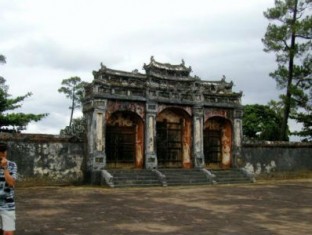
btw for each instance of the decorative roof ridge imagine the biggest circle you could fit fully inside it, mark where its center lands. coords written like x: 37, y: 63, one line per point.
x: 168, y: 66
x: 134, y: 72
x: 222, y: 81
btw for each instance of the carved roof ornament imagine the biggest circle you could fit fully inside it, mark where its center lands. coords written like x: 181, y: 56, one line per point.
x: 165, y: 68
x: 162, y: 81
x: 227, y: 85
x: 103, y: 67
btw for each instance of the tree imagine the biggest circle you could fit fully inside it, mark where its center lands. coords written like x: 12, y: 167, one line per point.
x: 10, y: 121
x: 306, y: 119
x: 290, y: 39
x: 262, y: 122
x: 2, y: 59
x: 77, y: 129
x: 73, y: 89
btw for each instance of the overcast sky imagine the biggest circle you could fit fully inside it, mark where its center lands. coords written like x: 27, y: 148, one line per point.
x: 46, y: 41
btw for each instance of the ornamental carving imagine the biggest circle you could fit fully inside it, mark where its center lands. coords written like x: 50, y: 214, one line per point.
x: 162, y: 82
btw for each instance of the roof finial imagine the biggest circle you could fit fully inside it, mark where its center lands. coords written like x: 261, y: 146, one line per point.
x: 152, y: 59
x: 183, y: 63
x: 103, y: 67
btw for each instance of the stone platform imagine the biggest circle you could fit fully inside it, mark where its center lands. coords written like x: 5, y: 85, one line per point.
x: 117, y: 178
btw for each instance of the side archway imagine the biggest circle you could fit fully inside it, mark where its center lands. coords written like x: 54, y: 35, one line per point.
x: 124, y: 140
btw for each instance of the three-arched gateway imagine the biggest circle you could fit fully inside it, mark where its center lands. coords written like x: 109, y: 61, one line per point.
x: 164, y: 118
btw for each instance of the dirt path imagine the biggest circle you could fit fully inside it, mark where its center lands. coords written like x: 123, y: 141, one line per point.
x: 282, y: 207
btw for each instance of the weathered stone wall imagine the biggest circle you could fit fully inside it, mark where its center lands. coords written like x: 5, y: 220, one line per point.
x: 266, y: 157
x: 46, y: 158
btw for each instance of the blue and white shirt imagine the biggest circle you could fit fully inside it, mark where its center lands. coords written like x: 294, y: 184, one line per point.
x: 6, y: 191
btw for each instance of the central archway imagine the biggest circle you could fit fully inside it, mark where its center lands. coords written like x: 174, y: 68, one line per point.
x: 173, y: 138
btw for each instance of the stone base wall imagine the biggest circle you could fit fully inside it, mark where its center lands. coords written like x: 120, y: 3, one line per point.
x: 261, y: 158
x: 46, y: 158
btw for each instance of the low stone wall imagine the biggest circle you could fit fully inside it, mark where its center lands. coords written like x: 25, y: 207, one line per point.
x: 46, y: 158
x: 260, y: 158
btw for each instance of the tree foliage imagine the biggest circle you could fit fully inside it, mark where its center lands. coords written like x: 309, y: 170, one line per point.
x: 262, y: 122
x: 2, y: 59
x: 289, y: 37
x: 10, y: 121
x: 306, y: 119
x: 77, y: 129
x: 73, y: 89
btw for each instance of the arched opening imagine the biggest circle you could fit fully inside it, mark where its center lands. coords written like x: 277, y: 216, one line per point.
x: 124, y: 140
x: 173, y: 138
x: 218, y: 143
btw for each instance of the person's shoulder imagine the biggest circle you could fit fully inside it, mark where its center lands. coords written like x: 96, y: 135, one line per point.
x: 11, y: 164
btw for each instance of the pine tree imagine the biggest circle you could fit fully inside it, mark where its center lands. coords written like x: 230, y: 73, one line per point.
x: 10, y: 121
x: 73, y: 89
x: 306, y: 119
x: 289, y: 37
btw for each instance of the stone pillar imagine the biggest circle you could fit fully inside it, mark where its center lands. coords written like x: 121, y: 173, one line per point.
x: 150, y: 136
x: 95, y: 113
x: 198, y: 137
x: 238, y: 135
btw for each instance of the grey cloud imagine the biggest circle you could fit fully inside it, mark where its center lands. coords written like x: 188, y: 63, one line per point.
x: 213, y: 44
x: 51, y: 124
x: 51, y: 54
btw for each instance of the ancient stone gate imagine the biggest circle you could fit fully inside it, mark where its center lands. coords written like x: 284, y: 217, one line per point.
x: 163, y: 118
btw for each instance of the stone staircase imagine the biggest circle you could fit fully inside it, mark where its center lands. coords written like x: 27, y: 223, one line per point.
x: 118, y: 178
x: 175, y: 177
x: 231, y: 176
x: 134, y: 178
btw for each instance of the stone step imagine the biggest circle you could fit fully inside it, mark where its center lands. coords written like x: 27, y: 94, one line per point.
x: 184, y: 177
x: 134, y: 178
x: 175, y: 177
x: 230, y: 176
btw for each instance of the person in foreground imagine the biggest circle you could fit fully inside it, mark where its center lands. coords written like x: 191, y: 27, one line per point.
x: 8, y: 170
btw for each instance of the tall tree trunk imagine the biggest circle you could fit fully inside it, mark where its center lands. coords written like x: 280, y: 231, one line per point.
x: 284, y: 128
x: 284, y: 134
x: 72, y: 107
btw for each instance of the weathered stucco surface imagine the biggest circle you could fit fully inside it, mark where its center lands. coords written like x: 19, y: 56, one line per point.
x: 266, y: 157
x: 46, y: 157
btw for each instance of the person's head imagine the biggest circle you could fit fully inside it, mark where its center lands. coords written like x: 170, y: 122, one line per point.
x: 3, y: 149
